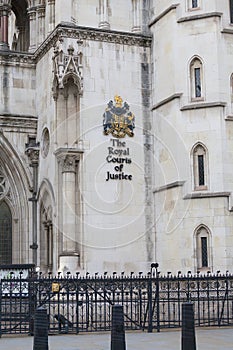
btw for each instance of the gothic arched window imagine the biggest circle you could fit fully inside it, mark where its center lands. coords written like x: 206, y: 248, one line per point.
x: 203, y: 255
x: 196, y: 79
x: 5, y: 234
x: 199, y: 155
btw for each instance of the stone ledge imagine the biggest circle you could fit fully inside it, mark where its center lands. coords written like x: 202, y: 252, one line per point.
x: 195, y: 195
x: 229, y: 117
x: 227, y: 31
x: 203, y: 105
x: 201, y: 16
x: 63, y: 152
x: 162, y: 14
x: 169, y: 186
x: 166, y: 100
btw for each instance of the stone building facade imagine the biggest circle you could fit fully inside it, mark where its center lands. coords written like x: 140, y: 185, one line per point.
x: 115, y: 134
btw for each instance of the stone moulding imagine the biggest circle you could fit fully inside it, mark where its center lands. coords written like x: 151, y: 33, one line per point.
x: 18, y: 121
x: 200, y: 105
x: 195, y: 195
x: 13, y: 58
x: 162, y: 14
x: 169, y: 186
x: 67, y: 30
x: 201, y: 16
x: 93, y: 34
x: 166, y: 100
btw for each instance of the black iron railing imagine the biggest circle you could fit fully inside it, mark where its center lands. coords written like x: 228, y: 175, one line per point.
x: 84, y: 304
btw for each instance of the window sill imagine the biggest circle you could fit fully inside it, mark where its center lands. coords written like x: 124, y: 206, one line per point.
x: 194, y: 9
x: 201, y: 188
x: 197, y: 99
x: 199, y: 105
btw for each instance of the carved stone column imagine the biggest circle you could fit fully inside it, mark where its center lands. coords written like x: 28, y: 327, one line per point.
x: 5, y: 9
x: 136, y: 27
x: 41, y: 24
x: 51, y: 4
x: 68, y: 194
x: 69, y: 257
x: 32, y: 20
x: 103, y: 12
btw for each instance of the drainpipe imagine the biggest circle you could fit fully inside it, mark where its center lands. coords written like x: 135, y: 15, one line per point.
x: 32, y: 151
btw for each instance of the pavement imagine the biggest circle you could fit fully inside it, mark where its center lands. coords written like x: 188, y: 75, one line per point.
x: 206, y: 339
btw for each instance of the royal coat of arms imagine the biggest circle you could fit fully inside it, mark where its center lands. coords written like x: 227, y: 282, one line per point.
x: 117, y: 119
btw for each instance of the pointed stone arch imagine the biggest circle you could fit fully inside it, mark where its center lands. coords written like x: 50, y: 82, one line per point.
x: 196, y: 78
x: 200, y: 167
x: 47, y: 241
x: 5, y: 234
x: 16, y: 198
x: 67, y: 90
x: 203, y: 254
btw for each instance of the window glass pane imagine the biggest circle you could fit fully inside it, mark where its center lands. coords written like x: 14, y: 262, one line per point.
x: 194, y: 3
x: 231, y: 11
x: 197, y: 79
x: 201, y: 170
x: 5, y: 234
x: 204, y: 252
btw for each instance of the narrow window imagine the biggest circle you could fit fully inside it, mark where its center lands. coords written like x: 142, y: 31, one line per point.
x: 194, y: 3
x: 5, y: 234
x: 204, y: 252
x: 231, y: 11
x: 203, y: 248
x: 201, y: 170
x: 200, y: 167
x: 196, y: 79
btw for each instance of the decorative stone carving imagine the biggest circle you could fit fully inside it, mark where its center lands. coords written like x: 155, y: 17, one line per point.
x: 5, y: 5
x: 69, y: 163
x: 4, y: 184
x: 80, y: 33
x: 67, y: 65
x: 33, y: 153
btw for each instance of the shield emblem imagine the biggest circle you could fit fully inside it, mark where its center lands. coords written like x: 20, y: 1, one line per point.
x: 118, y: 120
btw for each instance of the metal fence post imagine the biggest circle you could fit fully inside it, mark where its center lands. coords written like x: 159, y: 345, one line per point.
x: 157, y: 299
x: 150, y: 306
x: 118, y: 330
x: 41, y: 330
x: 0, y: 309
x: 188, y: 327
